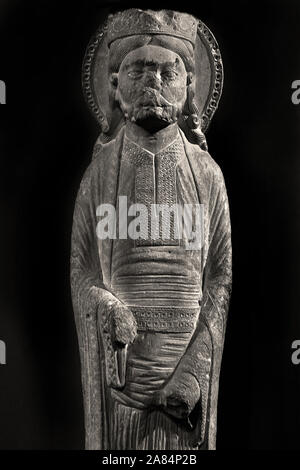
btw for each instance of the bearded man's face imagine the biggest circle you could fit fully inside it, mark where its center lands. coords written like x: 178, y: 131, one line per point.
x: 152, y: 86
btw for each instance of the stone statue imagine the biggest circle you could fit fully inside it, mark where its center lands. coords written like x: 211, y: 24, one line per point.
x: 151, y: 306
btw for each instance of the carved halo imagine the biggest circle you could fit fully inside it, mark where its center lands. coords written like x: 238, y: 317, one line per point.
x: 208, y: 72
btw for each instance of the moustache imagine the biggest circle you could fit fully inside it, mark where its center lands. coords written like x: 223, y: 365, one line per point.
x: 151, y: 97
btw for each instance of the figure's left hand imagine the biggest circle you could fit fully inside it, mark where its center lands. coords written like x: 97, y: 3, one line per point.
x: 179, y: 396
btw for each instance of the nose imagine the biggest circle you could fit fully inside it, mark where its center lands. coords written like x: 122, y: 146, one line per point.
x: 152, y: 79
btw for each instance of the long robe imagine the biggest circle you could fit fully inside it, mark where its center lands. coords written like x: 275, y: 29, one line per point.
x: 91, y: 261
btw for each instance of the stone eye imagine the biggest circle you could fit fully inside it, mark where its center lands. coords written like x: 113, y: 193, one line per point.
x: 135, y: 74
x: 169, y: 75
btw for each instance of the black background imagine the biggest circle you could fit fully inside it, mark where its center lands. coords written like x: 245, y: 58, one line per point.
x: 46, y: 138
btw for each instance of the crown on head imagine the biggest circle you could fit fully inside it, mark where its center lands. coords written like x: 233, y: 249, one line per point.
x: 135, y: 21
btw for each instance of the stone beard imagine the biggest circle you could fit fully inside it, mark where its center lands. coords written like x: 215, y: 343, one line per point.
x: 150, y: 314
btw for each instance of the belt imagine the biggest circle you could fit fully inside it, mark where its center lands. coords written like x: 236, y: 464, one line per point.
x: 164, y: 319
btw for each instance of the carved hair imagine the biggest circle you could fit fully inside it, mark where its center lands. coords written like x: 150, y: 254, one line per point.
x: 190, y: 121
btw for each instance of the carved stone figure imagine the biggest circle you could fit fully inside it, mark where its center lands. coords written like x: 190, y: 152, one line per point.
x: 151, y: 308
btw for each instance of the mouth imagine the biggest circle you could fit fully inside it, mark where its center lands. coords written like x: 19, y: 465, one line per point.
x: 153, y: 111
x: 147, y: 101
x: 151, y: 106
x: 153, y: 99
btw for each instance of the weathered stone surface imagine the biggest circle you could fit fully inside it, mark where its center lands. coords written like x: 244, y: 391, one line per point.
x: 151, y: 307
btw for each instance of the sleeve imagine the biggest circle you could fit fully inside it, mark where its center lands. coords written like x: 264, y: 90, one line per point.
x: 89, y: 296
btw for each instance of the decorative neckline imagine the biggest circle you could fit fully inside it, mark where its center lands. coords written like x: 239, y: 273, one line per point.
x: 152, y: 143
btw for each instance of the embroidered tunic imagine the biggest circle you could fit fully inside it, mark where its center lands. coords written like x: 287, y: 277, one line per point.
x: 162, y: 283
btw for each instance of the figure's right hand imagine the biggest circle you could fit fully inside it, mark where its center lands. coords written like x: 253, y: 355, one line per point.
x: 122, y: 324
x: 117, y: 319
x: 118, y: 329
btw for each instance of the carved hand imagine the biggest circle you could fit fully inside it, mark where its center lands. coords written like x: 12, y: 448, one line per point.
x: 179, y: 396
x: 122, y: 324
x: 117, y: 320
x: 118, y: 329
